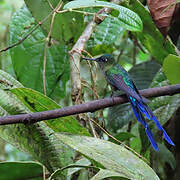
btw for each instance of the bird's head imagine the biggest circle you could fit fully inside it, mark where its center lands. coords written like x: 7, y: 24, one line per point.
x: 105, y: 61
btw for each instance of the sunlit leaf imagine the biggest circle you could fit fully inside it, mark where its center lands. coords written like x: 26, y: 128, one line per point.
x: 171, y: 67
x: 111, y: 156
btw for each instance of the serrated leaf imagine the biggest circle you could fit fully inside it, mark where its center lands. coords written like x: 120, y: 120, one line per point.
x: 128, y: 19
x: 21, y: 170
x: 111, y: 156
x: 106, y: 33
x: 37, y: 102
x: 28, y: 57
x: 171, y: 68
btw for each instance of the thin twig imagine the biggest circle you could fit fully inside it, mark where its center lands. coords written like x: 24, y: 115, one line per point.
x: 44, y: 68
x: 91, y: 125
x: 48, y: 39
x: 83, y: 83
x: 50, y: 5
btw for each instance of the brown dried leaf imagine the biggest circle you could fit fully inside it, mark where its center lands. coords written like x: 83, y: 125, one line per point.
x: 162, y: 12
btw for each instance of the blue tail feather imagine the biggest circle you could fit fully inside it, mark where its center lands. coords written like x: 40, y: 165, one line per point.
x: 167, y: 138
x: 151, y: 138
x: 141, y: 108
x: 141, y: 119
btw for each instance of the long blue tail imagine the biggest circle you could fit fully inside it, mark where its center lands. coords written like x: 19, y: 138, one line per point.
x: 141, y: 108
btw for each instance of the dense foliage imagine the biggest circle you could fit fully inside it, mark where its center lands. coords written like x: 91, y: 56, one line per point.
x: 37, y: 74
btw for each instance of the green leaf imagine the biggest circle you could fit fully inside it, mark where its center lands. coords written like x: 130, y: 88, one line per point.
x: 37, y: 102
x: 144, y: 73
x: 9, y: 103
x: 123, y: 136
x: 28, y: 57
x: 166, y: 156
x: 72, y: 168
x: 21, y: 170
x: 161, y: 159
x: 37, y: 139
x: 171, y: 68
x: 104, y: 173
x: 127, y: 18
x: 150, y: 37
x: 111, y: 156
x: 83, y: 162
x: 67, y: 27
x: 7, y: 81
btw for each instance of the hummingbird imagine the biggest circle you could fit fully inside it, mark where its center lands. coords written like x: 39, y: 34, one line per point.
x: 119, y: 79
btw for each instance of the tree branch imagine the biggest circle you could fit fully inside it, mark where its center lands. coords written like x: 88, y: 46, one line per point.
x: 79, y: 47
x: 86, y: 107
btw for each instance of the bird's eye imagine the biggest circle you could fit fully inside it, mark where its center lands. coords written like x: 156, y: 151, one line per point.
x: 105, y: 60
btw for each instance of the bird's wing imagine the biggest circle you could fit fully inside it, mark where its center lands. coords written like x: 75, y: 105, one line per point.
x: 145, y: 100
x: 117, y: 81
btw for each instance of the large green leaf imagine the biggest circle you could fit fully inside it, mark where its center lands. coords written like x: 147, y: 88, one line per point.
x: 171, y: 67
x: 142, y: 74
x: 21, y: 170
x: 150, y: 37
x: 38, y: 139
x: 67, y: 27
x: 127, y: 18
x: 37, y: 102
x: 111, y: 156
x: 28, y: 57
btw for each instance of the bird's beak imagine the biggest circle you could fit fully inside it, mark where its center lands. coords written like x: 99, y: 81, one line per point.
x: 91, y: 59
